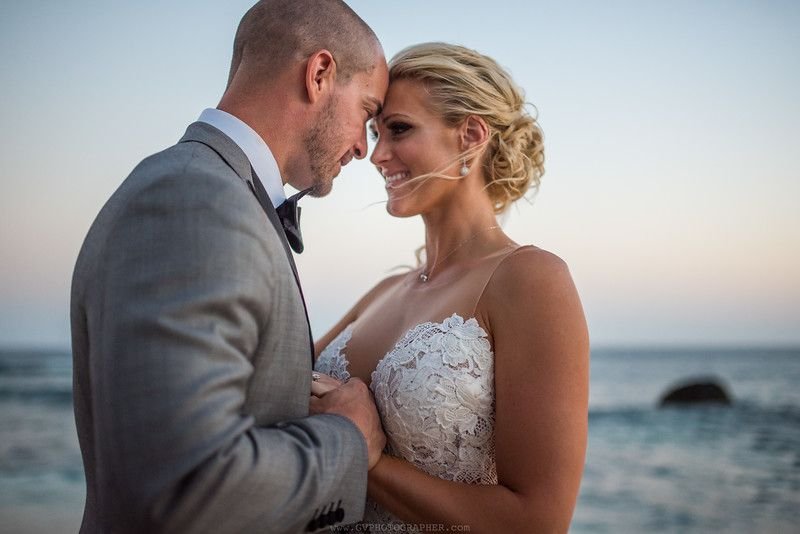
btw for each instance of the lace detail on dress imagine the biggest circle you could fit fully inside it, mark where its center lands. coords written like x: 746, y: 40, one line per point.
x: 435, y: 394
x: 331, y: 360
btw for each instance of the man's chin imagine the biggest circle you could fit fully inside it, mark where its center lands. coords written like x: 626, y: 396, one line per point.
x: 321, y: 188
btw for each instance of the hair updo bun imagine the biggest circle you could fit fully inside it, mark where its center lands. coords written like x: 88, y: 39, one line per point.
x: 462, y: 82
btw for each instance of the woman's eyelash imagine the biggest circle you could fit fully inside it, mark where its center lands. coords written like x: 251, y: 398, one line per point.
x: 398, y: 128
x: 395, y: 128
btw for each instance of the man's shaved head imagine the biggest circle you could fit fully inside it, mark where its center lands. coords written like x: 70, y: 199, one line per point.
x: 274, y: 33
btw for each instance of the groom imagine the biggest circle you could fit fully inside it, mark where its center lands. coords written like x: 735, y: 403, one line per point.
x: 191, y: 346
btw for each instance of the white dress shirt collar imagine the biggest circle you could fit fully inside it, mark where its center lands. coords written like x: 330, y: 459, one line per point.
x: 254, y: 148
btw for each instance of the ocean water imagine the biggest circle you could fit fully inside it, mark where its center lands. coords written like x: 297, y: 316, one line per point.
x: 698, y: 469
x: 41, y: 473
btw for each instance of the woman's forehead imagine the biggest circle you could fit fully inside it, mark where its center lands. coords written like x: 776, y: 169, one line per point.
x: 408, y: 97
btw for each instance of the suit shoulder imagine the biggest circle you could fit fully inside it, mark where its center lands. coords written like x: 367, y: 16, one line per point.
x: 185, y: 161
x: 181, y: 179
x: 186, y: 194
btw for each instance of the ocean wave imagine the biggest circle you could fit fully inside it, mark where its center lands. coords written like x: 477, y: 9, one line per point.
x: 24, y: 368
x: 35, y: 363
x: 747, y: 410
x: 49, y: 396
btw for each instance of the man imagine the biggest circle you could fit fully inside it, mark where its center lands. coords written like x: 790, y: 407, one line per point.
x: 191, y: 346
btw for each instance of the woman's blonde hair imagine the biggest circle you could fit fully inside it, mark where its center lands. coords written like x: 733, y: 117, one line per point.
x: 462, y: 82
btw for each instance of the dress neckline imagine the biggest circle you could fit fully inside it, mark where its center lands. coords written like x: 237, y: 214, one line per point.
x: 339, y: 343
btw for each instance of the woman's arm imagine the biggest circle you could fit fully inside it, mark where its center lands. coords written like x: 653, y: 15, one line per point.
x: 541, y: 411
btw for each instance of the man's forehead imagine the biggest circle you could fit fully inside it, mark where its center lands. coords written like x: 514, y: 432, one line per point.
x: 378, y: 79
x: 373, y: 94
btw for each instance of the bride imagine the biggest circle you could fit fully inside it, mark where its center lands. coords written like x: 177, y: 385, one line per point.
x: 477, y: 359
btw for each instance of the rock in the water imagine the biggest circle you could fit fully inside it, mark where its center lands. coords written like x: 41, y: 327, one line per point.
x: 697, y: 391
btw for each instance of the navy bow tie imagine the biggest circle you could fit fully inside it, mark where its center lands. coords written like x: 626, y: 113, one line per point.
x: 289, y: 214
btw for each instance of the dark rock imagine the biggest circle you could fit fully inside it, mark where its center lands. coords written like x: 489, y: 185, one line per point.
x: 696, y: 391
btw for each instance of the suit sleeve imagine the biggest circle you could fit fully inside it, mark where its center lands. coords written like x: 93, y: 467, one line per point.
x: 182, y: 287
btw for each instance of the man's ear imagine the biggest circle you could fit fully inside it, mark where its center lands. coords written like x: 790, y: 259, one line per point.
x: 320, y: 74
x: 474, y: 132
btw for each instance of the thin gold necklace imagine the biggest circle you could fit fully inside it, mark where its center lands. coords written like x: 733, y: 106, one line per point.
x: 424, y: 276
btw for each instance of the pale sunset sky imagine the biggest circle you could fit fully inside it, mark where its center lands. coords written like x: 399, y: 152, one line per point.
x: 671, y: 134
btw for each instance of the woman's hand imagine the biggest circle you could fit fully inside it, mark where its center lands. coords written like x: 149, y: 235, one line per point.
x: 322, y: 384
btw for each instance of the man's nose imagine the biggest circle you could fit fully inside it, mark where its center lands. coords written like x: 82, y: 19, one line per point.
x: 360, y: 148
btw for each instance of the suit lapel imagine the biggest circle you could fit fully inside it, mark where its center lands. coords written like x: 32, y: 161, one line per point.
x: 230, y: 152
x: 261, y: 194
x: 266, y: 204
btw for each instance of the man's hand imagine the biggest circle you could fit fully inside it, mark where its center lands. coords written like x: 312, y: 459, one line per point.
x: 353, y: 400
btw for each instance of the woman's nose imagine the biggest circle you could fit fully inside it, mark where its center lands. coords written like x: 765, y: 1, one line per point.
x: 379, y: 153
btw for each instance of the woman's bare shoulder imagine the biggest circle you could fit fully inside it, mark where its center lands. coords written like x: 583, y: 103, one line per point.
x: 528, y: 267
x: 532, y: 301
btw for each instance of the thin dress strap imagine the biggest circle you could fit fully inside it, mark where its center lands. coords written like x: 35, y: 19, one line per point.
x: 491, y: 275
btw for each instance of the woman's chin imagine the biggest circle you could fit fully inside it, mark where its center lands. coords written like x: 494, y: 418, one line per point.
x: 396, y: 209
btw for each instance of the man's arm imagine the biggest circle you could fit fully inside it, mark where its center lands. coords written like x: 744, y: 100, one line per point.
x: 183, y: 287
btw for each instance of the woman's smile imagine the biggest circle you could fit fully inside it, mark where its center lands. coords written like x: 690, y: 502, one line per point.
x: 393, y: 181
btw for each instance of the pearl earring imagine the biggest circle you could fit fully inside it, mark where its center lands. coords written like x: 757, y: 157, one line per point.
x: 464, y: 169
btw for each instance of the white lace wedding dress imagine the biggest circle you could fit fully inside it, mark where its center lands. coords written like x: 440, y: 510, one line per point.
x: 435, y: 394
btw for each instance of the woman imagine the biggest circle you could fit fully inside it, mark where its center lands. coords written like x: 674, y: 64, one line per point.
x: 478, y: 359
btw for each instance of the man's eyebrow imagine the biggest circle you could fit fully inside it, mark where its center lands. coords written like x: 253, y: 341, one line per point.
x: 377, y: 105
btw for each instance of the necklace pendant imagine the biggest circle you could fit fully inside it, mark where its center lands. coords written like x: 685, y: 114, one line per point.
x: 423, y: 277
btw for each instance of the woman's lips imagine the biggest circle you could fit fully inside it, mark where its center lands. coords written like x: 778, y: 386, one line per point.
x: 397, y: 179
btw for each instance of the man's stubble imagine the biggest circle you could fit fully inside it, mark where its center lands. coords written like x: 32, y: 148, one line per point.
x: 321, y: 148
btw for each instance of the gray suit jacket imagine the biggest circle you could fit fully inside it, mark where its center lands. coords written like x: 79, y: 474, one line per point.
x: 191, y: 361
